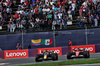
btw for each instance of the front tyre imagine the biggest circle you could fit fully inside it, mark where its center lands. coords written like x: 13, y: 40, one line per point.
x: 69, y: 55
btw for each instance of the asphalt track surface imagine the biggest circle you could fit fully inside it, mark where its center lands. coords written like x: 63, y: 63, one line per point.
x: 31, y: 60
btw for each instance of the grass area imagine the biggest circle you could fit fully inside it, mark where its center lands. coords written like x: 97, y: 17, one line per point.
x: 72, y: 62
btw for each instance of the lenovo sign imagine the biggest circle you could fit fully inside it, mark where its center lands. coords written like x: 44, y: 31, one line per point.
x: 90, y: 48
x: 57, y: 50
x: 16, y: 54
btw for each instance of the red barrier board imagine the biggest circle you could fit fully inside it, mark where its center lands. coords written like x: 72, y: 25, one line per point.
x: 57, y: 50
x: 91, y: 48
x: 16, y: 54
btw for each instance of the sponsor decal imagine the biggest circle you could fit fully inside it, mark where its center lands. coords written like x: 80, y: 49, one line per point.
x: 16, y: 54
x: 57, y: 50
x: 90, y: 48
x: 77, y: 54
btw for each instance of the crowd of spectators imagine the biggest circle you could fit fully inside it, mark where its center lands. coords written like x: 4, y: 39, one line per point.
x: 89, y: 14
x: 42, y: 15
x: 6, y: 10
x: 48, y: 14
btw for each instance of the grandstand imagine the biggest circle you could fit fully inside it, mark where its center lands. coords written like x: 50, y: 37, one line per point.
x: 71, y: 24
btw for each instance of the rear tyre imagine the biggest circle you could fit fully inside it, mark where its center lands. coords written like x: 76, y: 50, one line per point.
x: 69, y: 55
x: 37, y: 58
x: 54, y: 57
x: 88, y: 54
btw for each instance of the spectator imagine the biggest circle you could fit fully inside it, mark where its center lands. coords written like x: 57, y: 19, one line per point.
x: 18, y: 47
x: 19, y: 7
x: 16, y: 16
x: 5, y: 14
x: 14, y: 2
x: 12, y: 28
x: 9, y: 3
x: 65, y: 22
x: 70, y: 42
x: 61, y: 24
x: 0, y: 22
x: 34, y: 1
x: 9, y: 27
x: 70, y: 14
x: 22, y: 1
x: 58, y: 22
x: 1, y: 16
x: 53, y: 25
x: 60, y: 15
x: 78, y: 22
x: 26, y: 3
x: 29, y: 46
x: 36, y: 12
x: 9, y: 10
x: 37, y: 19
x: 5, y: 3
x: 19, y: 26
x: 95, y: 20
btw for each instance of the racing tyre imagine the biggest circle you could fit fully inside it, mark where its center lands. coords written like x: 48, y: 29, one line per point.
x: 69, y: 55
x: 86, y: 54
x: 37, y: 58
x: 54, y: 57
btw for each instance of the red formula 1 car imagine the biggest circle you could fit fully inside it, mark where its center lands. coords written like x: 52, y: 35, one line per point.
x: 78, y: 53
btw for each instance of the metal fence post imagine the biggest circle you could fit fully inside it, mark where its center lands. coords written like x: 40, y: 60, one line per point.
x: 86, y: 34
x: 54, y: 36
x: 22, y: 40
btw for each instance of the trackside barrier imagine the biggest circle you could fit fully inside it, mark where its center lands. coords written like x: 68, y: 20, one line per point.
x: 32, y: 52
x: 57, y: 50
x: 1, y: 54
x: 16, y: 54
x: 91, y: 48
x: 65, y: 50
x: 97, y: 48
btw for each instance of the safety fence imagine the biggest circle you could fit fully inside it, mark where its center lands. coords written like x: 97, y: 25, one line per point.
x: 25, y: 53
x: 78, y: 37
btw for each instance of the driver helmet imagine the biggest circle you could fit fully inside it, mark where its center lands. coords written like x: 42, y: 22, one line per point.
x: 78, y: 48
x: 46, y: 50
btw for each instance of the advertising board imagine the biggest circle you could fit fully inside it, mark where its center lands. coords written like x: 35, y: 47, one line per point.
x: 57, y: 50
x: 16, y: 54
x: 90, y: 48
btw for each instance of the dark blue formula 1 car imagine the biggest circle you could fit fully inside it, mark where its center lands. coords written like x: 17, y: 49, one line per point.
x: 46, y: 55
